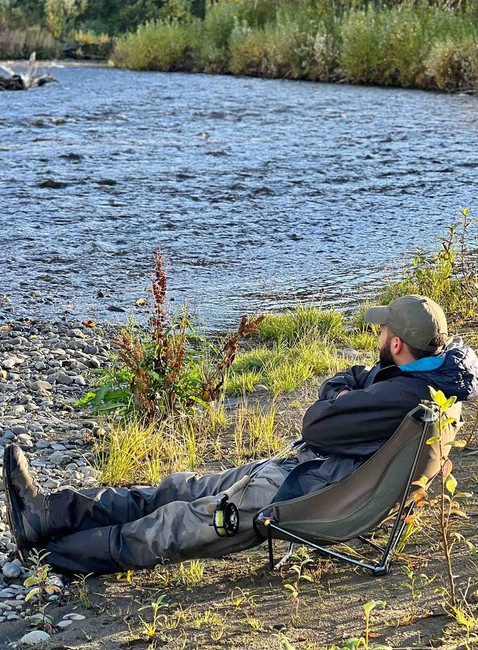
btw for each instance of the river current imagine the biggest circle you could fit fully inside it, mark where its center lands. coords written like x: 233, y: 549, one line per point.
x: 260, y: 193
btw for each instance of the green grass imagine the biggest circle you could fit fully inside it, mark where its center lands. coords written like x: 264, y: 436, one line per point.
x: 302, y: 322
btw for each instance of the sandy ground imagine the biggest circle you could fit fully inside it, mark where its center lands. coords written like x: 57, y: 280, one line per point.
x: 239, y: 603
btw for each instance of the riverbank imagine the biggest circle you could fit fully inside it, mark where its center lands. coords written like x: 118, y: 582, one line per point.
x: 233, y: 602
x: 404, y: 46
x: 425, y: 46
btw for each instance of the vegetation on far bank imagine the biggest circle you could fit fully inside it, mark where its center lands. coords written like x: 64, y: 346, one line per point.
x: 431, y: 44
x: 406, y: 44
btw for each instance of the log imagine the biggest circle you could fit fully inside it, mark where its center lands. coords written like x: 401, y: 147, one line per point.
x: 15, y: 82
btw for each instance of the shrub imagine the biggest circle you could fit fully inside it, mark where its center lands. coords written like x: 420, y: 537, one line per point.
x: 384, y: 47
x: 449, y: 275
x: 91, y: 45
x: 453, y: 65
x: 156, y: 45
x: 20, y: 43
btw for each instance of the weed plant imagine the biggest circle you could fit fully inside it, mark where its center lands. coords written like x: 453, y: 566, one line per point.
x: 449, y: 276
x: 166, y: 368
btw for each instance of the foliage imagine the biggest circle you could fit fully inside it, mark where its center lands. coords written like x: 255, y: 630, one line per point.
x: 445, y: 506
x: 18, y: 42
x: 449, y: 276
x: 396, y: 43
x: 61, y: 14
x: 166, y: 367
x: 88, y: 44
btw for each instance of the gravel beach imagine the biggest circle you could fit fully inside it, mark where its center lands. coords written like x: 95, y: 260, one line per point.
x: 43, y: 372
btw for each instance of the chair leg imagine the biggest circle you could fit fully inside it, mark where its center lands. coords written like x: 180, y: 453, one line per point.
x: 284, y: 559
x: 271, y: 548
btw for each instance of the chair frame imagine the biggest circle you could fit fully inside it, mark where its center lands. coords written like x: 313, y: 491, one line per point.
x: 378, y: 567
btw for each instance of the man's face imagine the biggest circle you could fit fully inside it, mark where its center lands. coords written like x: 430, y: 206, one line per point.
x: 385, y: 356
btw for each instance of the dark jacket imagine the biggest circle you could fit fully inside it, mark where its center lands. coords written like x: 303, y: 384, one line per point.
x: 349, y: 428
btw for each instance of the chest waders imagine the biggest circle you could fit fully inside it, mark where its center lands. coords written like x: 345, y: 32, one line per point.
x: 226, y: 514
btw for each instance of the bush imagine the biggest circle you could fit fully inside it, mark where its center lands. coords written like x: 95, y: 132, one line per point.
x: 20, y: 43
x: 449, y: 275
x: 384, y: 47
x: 157, y: 45
x: 453, y: 66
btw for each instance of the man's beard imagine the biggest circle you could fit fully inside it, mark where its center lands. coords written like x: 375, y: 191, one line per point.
x: 385, y: 357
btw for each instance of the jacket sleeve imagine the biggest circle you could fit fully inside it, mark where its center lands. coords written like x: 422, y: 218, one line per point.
x: 360, y: 416
x: 351, y: 379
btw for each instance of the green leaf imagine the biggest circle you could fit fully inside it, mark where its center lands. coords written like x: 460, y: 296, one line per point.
x: 451, y: 484
x: 432, y: 441
x: 448, y: 403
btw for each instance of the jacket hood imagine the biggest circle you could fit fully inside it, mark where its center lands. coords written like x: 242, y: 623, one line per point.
x: 455, y: 372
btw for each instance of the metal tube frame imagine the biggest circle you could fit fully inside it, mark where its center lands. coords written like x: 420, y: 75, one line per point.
x: 378, y: 568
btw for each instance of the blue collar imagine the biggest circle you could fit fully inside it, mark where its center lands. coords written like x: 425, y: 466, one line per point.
x: 424, y: 364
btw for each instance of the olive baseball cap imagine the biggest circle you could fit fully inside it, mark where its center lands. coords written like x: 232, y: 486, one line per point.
x: 417, y: 320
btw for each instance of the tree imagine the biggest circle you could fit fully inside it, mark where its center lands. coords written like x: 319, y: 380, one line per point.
x: 61, y: 14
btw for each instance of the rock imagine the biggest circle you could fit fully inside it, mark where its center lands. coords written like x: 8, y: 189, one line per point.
x: 40, y: 385
x: 63, y: 378
x: 25, y: 441
x: 74, y: 617
x: 35, y: 637
x: 11, y: 570
x: 9, y: 363
x: 63, y: 624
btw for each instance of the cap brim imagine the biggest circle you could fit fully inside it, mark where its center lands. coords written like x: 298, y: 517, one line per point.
x: 376, y: 315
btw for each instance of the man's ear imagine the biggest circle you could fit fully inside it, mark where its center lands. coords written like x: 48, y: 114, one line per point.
x: 396, y: 345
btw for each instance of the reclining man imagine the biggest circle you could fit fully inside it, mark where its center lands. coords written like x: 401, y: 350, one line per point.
x: 104, y: 530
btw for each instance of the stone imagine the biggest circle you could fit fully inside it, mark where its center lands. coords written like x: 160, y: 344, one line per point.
x: 74, y: 617
x: 63, y: 378
x: 40, y: 385
x: 63, y: 624
x: 11, y: 570
x: 35, y: 637
x: 9, y: 363
x: 19, y: 429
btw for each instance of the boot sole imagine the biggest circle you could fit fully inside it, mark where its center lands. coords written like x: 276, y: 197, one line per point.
x: 14, y: 509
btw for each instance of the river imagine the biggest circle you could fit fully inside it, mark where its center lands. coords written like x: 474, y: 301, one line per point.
x: 261, y: 193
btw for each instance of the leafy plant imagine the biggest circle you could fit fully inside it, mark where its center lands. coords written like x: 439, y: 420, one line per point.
x: 449, y: 276
x: 165, y: 367
x: 445, y: 506
x: 155, y: 606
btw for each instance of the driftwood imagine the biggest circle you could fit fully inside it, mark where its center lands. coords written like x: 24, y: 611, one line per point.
x: 32, y: 77
x: 15, y: 82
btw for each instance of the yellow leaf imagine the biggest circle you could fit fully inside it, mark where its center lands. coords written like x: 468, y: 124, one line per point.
x: 32, y: 593
x: 140, y: 302
x: 451, y: 484
x: 89, y: 323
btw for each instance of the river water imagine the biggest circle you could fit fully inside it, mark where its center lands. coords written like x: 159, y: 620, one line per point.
x: 261, y: 193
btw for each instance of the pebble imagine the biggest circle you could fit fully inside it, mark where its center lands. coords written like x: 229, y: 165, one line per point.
x: 35, y: 637
x: 40, y: 385
x: 44, y: 370
x: 11, y: 570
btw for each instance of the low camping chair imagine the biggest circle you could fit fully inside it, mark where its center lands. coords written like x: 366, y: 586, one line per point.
x: 360, y: 502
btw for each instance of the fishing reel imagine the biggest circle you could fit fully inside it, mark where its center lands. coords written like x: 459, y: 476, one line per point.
x: 225, y: 517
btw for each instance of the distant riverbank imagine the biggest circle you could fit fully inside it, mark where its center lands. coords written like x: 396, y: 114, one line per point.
x: 426, y: 45
x: 404, y: 46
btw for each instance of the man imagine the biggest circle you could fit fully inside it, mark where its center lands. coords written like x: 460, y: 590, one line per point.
x: 105, y: 530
